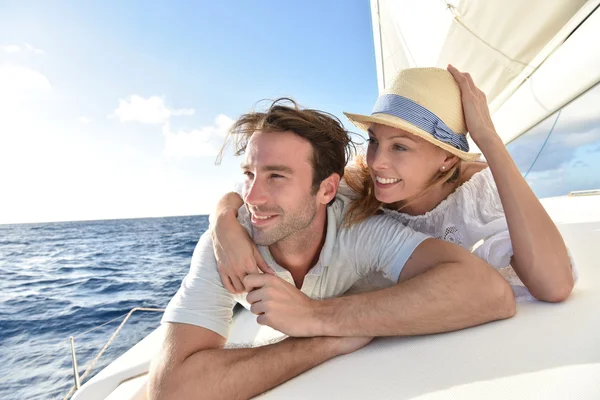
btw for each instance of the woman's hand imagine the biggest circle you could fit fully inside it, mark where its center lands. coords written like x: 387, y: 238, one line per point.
x: 476, y: 110
x: 540, y: 256
x: 236, y: 253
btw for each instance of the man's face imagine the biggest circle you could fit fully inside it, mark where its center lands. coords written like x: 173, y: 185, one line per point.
x: 277, y: 188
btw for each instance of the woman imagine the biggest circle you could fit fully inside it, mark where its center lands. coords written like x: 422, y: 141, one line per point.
x: 418, y: 168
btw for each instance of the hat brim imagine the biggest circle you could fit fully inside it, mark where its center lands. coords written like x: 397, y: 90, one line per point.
x: 363, y: 122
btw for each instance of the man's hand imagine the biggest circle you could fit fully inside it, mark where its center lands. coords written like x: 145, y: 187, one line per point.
x: 282, y: 306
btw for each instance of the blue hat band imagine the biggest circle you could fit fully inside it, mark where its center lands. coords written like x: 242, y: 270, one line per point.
x: 421, y: 117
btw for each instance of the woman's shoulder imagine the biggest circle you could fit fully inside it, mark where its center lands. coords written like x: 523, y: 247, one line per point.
x: 470, y: 169
x: 479, y: 189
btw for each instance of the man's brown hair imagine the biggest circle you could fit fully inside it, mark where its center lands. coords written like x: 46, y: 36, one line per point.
x: 331, y: 143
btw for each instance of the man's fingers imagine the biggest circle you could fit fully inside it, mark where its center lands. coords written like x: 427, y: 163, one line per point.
x: 256, y: 296
x: 258, y: 308
x: 262, y: 319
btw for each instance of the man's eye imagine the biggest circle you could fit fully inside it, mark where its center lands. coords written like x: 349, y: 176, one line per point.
x: 276, y: 176
x: 248, y: 174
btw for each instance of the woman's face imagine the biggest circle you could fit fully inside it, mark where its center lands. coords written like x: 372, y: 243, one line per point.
x: 402, y: 164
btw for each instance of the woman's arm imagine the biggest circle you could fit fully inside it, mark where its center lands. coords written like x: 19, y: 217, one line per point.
x: 236, y: 253
x: 540, y: 256
x: 229, y: 204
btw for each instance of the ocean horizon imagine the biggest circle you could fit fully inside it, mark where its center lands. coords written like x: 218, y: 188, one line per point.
x: 98, y: 219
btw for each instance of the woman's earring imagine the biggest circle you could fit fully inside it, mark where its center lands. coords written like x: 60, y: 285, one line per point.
x: 443, y: 167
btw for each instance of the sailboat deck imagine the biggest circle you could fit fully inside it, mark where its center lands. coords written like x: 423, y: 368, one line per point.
x: 549, y: 351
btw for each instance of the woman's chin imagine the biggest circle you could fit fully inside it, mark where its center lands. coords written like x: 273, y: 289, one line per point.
x: 386, y: 197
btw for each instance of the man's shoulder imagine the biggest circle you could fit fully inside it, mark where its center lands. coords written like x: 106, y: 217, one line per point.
x: 341, y: 206
x: 379, y: 243
x: 381, y: 223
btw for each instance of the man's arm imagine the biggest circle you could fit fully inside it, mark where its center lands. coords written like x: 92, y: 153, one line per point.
x: 193, y: 364
x: 442, y: 288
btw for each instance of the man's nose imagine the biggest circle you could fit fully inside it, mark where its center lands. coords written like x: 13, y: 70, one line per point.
x: 256, y: 194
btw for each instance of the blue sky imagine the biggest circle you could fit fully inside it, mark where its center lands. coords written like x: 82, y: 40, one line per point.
x: 114, y: 109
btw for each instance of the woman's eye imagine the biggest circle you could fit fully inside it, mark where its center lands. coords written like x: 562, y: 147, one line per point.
x: 371, y: 141
x: 397, y: 147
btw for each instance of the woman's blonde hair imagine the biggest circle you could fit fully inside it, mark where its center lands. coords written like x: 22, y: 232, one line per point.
x: 366, y: 204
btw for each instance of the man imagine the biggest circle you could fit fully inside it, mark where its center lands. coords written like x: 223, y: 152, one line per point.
x: 294, y: 160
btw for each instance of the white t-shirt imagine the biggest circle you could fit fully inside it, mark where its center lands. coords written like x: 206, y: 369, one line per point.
x: 379, y: 244
x: 471, y: 217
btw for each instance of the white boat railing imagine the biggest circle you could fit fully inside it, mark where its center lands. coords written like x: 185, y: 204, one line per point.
x: 576, y: 193
x: 76, y: 376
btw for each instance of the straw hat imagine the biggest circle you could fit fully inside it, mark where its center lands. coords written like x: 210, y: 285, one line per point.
x: 425, y: 102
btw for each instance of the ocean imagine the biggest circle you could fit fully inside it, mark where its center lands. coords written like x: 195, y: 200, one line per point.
x: 63, y: 279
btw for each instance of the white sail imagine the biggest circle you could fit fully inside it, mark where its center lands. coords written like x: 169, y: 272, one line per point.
x: 501, y: 43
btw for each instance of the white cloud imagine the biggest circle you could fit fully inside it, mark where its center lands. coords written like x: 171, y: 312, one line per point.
x: 183, y: 111
x: 147, y: 111
x: 13, y: 48
x: 206, y: 141
x: 15, y: 78
x: 84, y: 120
x: 33, y: 49
x: 126, y: 181
x: 580, y: 138
x: 17, y: 83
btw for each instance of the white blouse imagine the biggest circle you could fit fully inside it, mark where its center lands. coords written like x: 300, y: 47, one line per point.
x: 471, y: 217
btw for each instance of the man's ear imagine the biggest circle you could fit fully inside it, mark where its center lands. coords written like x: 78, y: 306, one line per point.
x: 328, y: 188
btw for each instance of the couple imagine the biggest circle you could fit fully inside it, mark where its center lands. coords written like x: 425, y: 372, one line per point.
x: 418, y: 183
